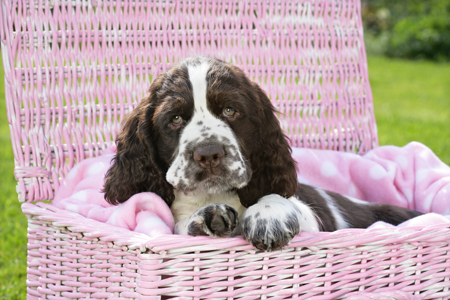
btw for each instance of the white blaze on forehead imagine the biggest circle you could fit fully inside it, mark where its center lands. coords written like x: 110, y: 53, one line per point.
x: 197, y: 76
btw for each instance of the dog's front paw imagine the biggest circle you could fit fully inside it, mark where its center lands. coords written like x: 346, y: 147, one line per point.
x: 271, y: 223
x: 215, y: 220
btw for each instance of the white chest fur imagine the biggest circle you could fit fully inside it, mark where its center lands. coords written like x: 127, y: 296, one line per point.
x: 186, y: 204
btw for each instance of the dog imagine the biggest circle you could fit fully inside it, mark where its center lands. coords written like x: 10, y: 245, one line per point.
x: 207, y: 140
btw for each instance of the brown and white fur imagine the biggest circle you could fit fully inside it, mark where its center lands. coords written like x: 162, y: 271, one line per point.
x: 207, y: 140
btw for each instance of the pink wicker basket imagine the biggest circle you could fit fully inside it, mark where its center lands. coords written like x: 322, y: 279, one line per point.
x: 74, y: 68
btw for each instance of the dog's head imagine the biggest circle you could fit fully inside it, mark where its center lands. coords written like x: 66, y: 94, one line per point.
x: 204, y: 127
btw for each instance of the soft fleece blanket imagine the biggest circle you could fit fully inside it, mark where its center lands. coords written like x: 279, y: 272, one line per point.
x: 80, y: 192
x: 411, y: 177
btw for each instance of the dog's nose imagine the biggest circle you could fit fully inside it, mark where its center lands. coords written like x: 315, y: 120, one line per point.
x: 209, y: 156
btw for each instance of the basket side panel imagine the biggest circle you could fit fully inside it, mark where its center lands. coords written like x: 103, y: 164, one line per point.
x: 73, y: 257
x: 313, y: 266
x: 68, y: 264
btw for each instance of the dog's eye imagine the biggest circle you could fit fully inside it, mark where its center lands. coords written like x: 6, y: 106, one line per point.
x: 177, y: 120
x: 228, y: 112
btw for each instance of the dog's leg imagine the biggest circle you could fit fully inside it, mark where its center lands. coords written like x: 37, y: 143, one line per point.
x: 337, y: 211
x: 271, y: 223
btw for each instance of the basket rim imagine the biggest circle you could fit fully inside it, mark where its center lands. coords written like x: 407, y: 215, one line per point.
x: 344, y: 238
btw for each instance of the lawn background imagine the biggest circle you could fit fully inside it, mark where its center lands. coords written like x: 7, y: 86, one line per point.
x: 412, y: 103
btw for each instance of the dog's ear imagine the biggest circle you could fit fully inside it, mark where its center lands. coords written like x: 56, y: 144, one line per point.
x: 135, y: 167
x: 274, y: 169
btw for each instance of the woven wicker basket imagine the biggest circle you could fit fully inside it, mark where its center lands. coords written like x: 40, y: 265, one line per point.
x: 74, y: 68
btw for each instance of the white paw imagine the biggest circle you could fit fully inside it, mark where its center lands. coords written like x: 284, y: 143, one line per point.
x: 274, y: 221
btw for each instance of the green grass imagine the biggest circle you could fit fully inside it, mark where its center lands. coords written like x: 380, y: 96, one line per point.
x: 412, y: 103
x: 13, y: 224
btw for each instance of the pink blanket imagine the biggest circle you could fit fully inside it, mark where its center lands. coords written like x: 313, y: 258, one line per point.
x: 411, y: 177
x: 80, y: 192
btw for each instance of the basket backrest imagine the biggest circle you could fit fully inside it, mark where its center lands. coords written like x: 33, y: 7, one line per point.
x: 73, y: 69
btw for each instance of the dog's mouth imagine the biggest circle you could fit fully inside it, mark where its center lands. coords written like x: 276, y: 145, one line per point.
x: 211, y: 182
x: 211, y: 174
x: 226, y: 180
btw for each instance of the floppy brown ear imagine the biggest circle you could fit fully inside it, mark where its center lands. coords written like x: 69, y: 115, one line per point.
x: 274, y: 169
x: 135, y: 168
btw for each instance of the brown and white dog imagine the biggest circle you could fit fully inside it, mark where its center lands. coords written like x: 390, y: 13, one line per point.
x: 207, y: 141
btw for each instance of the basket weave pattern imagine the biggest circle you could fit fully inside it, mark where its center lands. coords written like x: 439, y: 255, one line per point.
x: 74, y: 68
x: 72, y: 257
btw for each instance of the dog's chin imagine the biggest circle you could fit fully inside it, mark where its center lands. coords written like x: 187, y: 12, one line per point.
x: 212, y: 185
